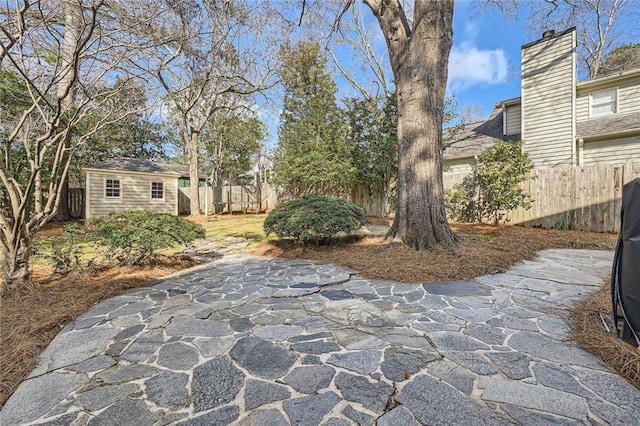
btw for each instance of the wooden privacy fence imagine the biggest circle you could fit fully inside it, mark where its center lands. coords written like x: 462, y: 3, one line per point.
x: 585, y: 198
x: 76, y: 203
x: 234, y: 198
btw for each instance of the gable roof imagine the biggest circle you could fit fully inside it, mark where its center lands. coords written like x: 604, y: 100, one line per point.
x: 139, y: 165
x: 477, y: 137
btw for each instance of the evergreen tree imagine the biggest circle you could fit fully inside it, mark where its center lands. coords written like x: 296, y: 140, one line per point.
x: 313, y: 154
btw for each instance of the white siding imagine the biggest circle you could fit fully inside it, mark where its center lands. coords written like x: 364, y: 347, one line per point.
x: 512, y: 117
x: 463, y: 165
x: 582, y: 107
x: 548, y: 91
x: 612, y: 151
x: 135, y: 191
x: 629, y: 96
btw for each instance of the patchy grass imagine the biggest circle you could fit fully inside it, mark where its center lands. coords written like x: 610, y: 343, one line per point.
x: 238, y: 226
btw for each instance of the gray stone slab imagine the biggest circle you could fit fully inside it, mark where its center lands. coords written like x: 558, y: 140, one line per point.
x: 220, y: 417
x: 241, y: 324
x: 514, y: 365
x: 472, y: 315
x: 399, y: 416
x: 310, y: 379
x: 446, y: 340
x: 188, y: 326
x: 337, y: 294
x: 358, y: 389
x: 534, y: 397
x: 475, y: 362
x: 64, y: 420
x: 337, y: 421
x: 143, y: 347
x: 213, y: 346
x: 278, y: 333
x: 73, y: 347
x: 97, y: 363
x: 103, y: 396
x: 434, y: 402
x: 262, y: 358
x: 168, y: 389
x: 316, y: 347
x: 535, y: 418
x: 613, y: 414
x: 611, y: 388
x: 545, y: 347
x: 452, y: 373
x: 399, y: 362
x: 123, y: 411
x: 309, y: 410
x: 557, y: 377
x: 484, y: 333
x: 177, y: 356
x: 258, y: 392
x: 37, y: 396
x: 307, y: 337
x: 126, y: 373
x: 362, y: 419
x: 215, y: 383
x: 458, y: 288
x: 363, y: 362
x: 271, y: 417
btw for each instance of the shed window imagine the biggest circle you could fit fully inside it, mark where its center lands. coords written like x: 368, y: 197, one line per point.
x: 112, y: 188
x: 157, y: 190
x: 603, y: 103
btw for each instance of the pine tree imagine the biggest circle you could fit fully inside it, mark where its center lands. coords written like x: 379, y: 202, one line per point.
x: 313, y: 155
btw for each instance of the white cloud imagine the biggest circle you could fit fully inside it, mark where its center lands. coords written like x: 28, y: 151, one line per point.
x: 470, y: 66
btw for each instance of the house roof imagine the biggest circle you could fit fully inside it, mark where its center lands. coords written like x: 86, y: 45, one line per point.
x: 610, y: 124
x: 477, y: 137
x: 609, y: 80
x: 139, y: 165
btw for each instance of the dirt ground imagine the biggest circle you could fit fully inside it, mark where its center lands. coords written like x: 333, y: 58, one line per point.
x: 32, y: 316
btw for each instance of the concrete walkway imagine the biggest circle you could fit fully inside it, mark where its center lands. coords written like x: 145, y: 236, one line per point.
x: 254, y: 341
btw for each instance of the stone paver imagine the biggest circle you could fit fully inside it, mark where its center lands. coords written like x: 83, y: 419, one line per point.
x: 252, y: 341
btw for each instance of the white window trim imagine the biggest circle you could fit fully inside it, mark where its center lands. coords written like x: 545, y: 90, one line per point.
x: 615, y: 102
x: 104, y: 189
x: 164, y: 190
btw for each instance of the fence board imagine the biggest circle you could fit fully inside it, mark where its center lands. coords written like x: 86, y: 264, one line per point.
x: 586, y: 198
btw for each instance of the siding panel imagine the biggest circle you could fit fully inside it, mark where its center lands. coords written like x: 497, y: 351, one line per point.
x: 135, y: 194
x: 513, y: 117
x: 612, y: 151
x: 548, y: 100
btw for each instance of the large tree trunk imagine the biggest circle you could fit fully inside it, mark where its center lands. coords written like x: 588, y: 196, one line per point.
x: 14, y: 260
x: 67, y: 89
x: 419, y: 59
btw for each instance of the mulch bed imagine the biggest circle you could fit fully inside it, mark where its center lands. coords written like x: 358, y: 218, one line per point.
x: 589, y: 332
x: 483, y: 249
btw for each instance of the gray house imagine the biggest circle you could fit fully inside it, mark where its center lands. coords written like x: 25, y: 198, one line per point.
x: 131, y: 184
x: 561, y: 121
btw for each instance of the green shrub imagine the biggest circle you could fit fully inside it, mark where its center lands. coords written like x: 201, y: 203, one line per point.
x: 494, y: 186
x: 314, y: 218
x: 130, y: 237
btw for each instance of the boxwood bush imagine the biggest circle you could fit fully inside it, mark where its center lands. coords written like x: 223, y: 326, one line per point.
x: 133, y: 236
x: 314, y: 218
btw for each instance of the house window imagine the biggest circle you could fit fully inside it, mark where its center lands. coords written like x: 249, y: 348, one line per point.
x: 603, y: 103
x: 112, y: 188
x: 157, y: 190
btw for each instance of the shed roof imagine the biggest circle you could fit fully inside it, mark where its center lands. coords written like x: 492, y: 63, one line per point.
x: 477, y: 137
x: 139, y: 165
